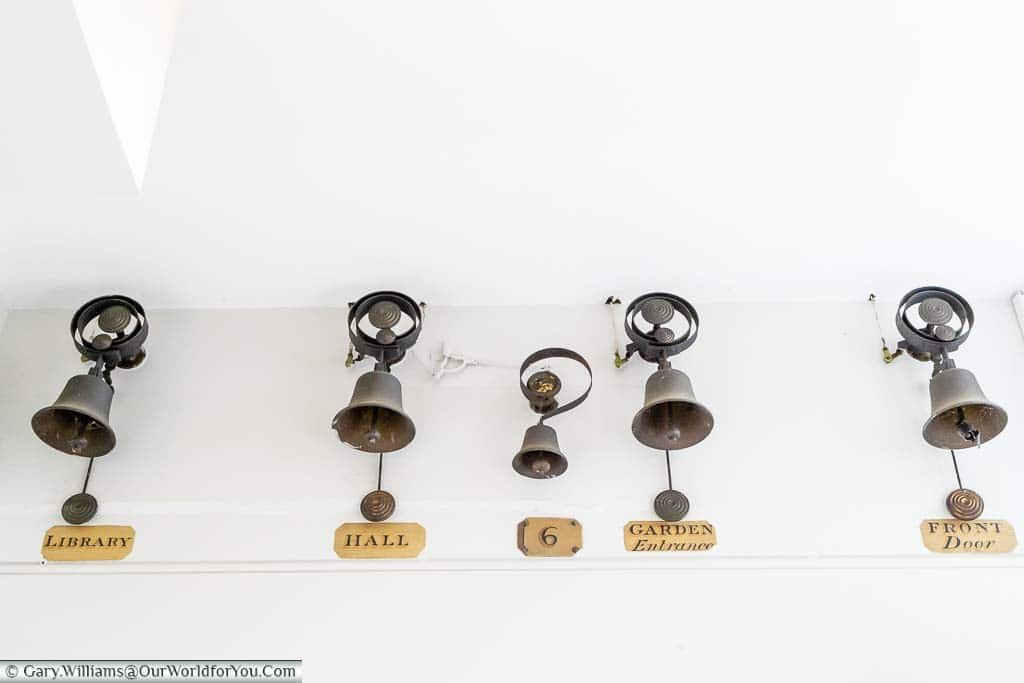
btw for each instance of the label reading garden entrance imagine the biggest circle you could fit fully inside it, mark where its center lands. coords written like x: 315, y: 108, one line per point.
x: 376, y: 540
x: 655, y: 537
x: 87, y: 543
x: 549, y: 537
x: 978, y: 536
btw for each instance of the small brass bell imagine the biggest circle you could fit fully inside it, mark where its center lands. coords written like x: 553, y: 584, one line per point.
x: 540, y: 457
x: 962, y: 416
x: 382, y: 326
x: 671, y: 417
x: 374, y: 420
x: 935, y: 322
x: 109, y: 332
x: 78, y: 422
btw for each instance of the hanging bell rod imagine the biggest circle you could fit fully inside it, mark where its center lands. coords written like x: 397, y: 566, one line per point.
x: 671, y: 505
x: 80, y: 507
x: 378, y: 505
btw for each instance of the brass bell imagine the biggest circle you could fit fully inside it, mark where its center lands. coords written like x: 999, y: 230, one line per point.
x: 78, y: 422
x: 962, y: 416
x: 671, y: 417
x: 374, y: 420
x: 540, y: 457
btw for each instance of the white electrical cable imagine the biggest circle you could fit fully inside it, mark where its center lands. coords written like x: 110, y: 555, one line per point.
x: 449, y: 362
x: 614, y: 307
x: 1018, y: 307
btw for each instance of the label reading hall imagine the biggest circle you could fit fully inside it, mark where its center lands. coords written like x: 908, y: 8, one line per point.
x: 376, y: 540
x: 977, y: 536
x: 661, y: 537
x: 87, y: 543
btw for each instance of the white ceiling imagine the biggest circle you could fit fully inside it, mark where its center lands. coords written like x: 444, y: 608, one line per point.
x: 470, y: 151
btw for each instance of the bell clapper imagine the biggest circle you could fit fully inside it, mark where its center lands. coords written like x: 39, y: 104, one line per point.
x: 966, y: 429
x: 372, y: 434
x: 671, y: 430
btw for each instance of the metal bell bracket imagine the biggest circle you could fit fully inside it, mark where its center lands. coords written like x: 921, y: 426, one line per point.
x: 936, y: 306
x: 658, y: 308
x: 387, y: 347
x: 555, y: 352
x: 124, y: 329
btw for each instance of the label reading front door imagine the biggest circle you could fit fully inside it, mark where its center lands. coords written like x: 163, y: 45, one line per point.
x: 977, y: 536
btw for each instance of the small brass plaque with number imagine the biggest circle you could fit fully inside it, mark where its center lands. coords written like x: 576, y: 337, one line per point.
x: 549, y: 536
x: 87, y: 543
x: 669, y: 536
x: 376, y: 540
x: 977, y: 536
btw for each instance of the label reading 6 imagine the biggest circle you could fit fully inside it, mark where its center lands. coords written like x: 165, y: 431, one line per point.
x: 549, y: 536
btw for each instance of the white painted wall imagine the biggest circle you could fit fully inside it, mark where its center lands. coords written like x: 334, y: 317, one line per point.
x: 130, y: 44
x: 786, y: 150
x: 815, y: 476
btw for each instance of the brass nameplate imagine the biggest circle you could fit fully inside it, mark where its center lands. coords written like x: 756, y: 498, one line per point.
x: 87, y: 543
x: 549, y: 536
x: 669, y: 536
x: 978, y: 536
x: 376, y: 540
